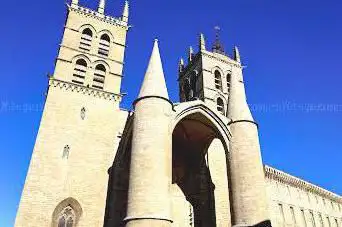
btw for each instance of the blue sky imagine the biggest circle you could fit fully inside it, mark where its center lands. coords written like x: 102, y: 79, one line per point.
x: 292, y: 50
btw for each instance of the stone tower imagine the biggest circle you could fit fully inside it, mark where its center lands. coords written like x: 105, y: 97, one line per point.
x: 149, y: 200
x: 217, y: 79
x: 199, y: 80
x: 78, y: 135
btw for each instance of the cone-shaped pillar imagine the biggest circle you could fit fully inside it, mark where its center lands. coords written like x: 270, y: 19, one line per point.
x: 249, y: 203
x: 202, y: 42
x: 102, y: 6
x: 237, y: 54
x: 150, y: 169
x: 181, y: 65
x: 125, y: 13
x: 74, y: 2
x: 191, y: 54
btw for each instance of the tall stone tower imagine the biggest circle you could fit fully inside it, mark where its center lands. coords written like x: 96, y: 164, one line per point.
x: 217, y: 80
x: 207, y: 76
x: 67, y: 179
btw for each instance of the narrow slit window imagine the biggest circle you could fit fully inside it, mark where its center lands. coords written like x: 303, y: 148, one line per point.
x: 220, y: 105
x: 218, y: 80
x: 229, y: 77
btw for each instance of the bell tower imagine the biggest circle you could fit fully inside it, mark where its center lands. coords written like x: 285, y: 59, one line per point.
x: 67, y: 180
x: 208, y: 74
x: 217, y: 80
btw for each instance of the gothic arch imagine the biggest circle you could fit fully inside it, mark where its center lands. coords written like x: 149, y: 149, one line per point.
x: 198, y: 107
x: 69, y: 202
x: 81, y: 56
x: 105, y: 64
x: 107, y: 32
x: 92, y: 28
x: 200, y: 164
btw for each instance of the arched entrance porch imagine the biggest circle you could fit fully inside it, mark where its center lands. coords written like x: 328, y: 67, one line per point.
x: 199, y: 164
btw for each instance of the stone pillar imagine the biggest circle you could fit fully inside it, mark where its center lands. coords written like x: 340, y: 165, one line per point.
x: 217, y: 163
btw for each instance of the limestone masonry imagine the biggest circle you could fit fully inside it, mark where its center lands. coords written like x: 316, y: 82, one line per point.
x: 193, y: 163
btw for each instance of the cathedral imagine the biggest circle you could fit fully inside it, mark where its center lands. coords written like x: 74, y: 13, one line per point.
x: 194, y: 163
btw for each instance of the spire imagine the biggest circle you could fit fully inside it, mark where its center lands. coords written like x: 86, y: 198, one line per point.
x: 74, y: 2
x: 181, y: 65
x: 102, y: 6
x: 191, y: 54
x: 202, y: 42
x: 237, y: 54
x: 125, y: 12
x: 218, y: 47
x: 154, y: 81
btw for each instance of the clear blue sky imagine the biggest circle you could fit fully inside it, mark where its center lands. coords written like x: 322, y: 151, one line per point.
x: 292, y: 50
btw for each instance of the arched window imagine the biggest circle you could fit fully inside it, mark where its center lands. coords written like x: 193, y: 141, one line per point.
x: 104, y: 45
x: 229, y: 77
x: 220, y: 105
x: 86, y: 39
x: 218, y: 80
x: 67, y: 217
x: 66, y: 151
x: 80, y: 71
x: 99, y: 76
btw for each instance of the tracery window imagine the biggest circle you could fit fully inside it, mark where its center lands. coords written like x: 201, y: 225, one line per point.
x: 104, y: 45
x: 218, y: 80
x: 99, y: 76
x: 86, y: 39
x: 67, y: 217
x: 220, y: 105
x: 80, y: 71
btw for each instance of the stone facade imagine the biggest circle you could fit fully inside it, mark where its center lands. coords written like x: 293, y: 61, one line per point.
x: 194, y: 163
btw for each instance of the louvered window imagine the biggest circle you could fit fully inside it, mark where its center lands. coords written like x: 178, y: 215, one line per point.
x: 99, y: 77
x: 104, y: 45
x: 86, y: 39
x: 79, y: 72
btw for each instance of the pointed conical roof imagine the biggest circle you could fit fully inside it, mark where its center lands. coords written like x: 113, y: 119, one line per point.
x: 154, y: 81
x: 102, y: 5
x: 125, y: 12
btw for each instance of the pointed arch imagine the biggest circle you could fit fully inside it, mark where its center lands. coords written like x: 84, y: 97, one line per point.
x: 67, y: 213
x: 199, y: 107
x: 200, y: 150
